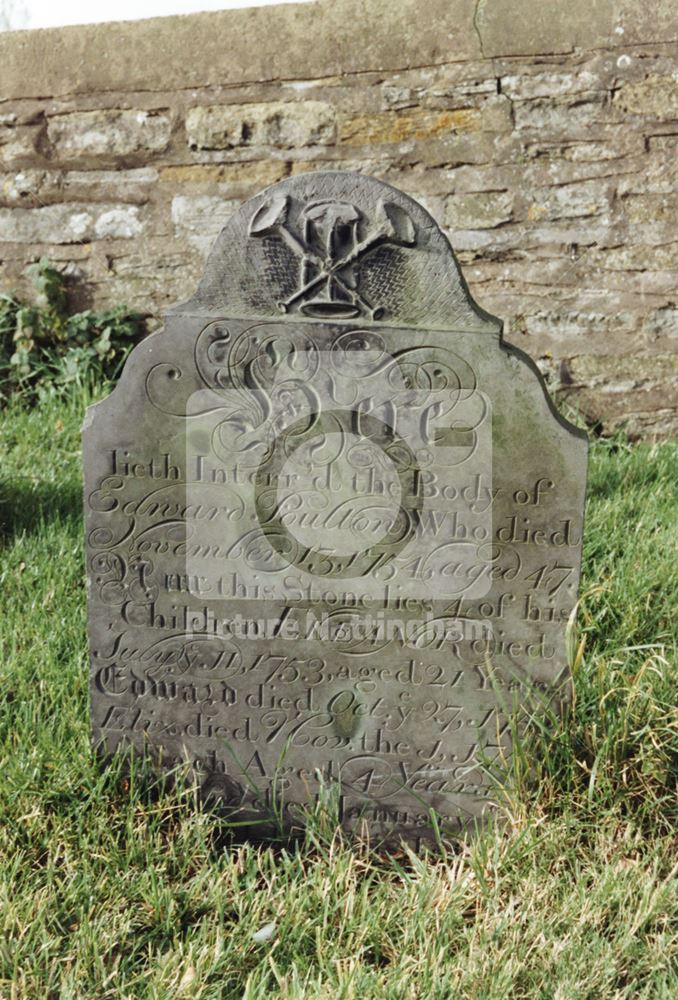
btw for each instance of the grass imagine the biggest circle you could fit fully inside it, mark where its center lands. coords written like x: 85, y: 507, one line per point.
x: 110, y: 887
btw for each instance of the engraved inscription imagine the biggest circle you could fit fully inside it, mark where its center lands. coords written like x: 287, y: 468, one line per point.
x: 324, y: 546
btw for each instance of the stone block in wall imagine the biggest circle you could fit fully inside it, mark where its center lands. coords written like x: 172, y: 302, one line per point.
x: 287, y: 125
x: 29, y: 188
x: 458, y: 83
x: 108, y: 132
x: 18, y: 143
x: 374, y: 167
x: 529, y: 27
x: 131, y: 186
x: 556, y: 237
x: 656, y: 97
x: 420, y: 124
x: 201, y: 218
x: 663, y: 143
x: 560, y: 116
x: 591, y: 151
x: 69, y: 223
x: 651, y: 209
x: 251, y: 174
x: 643, y: 258
x: 478, y: 210
x: 527, y: 86
x: 569, y: 201
x: 662, y: 325
x: 32, y: 188
x: 401, y: 126
x: 153, y: 269
x: 566, y: 330
x: 637, y: 395
x: 652, y: 174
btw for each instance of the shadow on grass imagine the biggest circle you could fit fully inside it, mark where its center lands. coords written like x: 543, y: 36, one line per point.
x: 27, y: 506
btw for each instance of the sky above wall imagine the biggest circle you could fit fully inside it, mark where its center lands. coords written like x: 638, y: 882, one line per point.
x: 48, y: 14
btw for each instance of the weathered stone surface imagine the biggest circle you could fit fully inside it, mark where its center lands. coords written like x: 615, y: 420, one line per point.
x: 287, y: 125
x: 35, y: 188
x: 333, y: 525
x: 423, y: 123
x: 28, y: 187
x: 662, y: 323
x: 399, y: 126
x: 129, y: 268
x: 657, y: 96
x: 549, y: 84
x: 637, y: 397
x: 108, y: 132
x: 71, y: 223
x: 200, y: 219
x: 652, y: 208
x: 133, y: 186
x: 589, y: 151
x: 481, y: 210
x: 663, y: 143
x: 260, y: 173
x: 571, y: 201
x: 560, y: 116
x: 327, y: 38
x: 17, y: 144
x: 577, y: 329
x: 521, y: 27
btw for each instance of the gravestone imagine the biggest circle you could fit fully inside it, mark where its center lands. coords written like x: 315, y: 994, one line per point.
x: 333, y: 524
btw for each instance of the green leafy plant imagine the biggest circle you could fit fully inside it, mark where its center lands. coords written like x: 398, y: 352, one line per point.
x: 44, y: 348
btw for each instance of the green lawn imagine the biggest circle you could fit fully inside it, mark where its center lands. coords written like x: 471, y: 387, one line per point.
x: 110, y: 888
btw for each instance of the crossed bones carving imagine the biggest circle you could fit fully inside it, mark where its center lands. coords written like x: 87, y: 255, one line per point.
x: 333, y: 266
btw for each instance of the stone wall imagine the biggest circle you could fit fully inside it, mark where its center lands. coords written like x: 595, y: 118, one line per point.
x: 543, y: 136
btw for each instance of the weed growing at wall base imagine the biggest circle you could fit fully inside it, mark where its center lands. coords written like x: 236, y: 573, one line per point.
x: 112, y: 887
x: 44, y: 348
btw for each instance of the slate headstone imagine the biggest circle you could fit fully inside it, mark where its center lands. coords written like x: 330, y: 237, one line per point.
x: 333, y: 524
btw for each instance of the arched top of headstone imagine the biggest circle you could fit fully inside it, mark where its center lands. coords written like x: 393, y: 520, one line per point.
x: 335, y: 245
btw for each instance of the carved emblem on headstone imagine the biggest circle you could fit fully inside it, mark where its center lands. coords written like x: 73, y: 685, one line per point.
x: 333, y: 523
x: 330, y: 247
